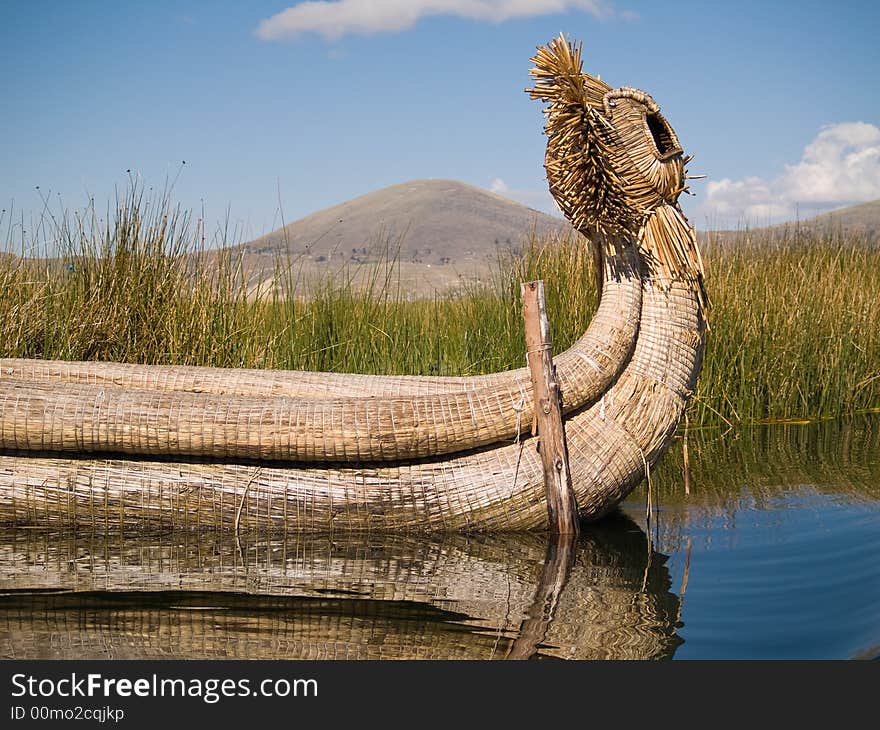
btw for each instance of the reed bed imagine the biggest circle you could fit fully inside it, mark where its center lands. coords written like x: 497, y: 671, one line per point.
x: 795, y: 327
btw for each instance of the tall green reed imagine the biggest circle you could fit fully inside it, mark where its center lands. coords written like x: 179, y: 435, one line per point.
x: 795, y: 329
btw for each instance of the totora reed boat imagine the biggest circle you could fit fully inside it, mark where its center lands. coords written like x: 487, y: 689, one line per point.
x: 126, y: 447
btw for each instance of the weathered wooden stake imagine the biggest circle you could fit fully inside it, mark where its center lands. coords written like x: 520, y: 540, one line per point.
x: 561, y: 502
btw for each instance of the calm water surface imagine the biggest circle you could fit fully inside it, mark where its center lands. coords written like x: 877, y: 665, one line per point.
x: 775, y: 553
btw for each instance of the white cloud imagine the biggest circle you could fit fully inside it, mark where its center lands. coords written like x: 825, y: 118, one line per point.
x: 536, y: 199
x: 336, y: 18
x: 498, y: 186
x: 841, y: 166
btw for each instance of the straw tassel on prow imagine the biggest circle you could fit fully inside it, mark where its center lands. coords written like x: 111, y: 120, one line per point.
x: 614, y: 164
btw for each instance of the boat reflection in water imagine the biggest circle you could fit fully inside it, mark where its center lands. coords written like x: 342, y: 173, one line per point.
x: 209, y: 595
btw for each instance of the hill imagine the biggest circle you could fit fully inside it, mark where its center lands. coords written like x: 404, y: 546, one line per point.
x: 860, y: 222
x: 442, y: 231
x: 857, y: 220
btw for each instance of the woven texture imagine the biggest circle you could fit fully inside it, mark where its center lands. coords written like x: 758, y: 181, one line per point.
x: 400, y: 453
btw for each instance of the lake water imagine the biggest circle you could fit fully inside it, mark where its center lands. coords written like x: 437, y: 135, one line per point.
x: 774, y: 553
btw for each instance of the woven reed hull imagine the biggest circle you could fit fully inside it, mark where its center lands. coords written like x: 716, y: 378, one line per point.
x: 611, y: 442
x: 426, y: 455
x: 71, y: 596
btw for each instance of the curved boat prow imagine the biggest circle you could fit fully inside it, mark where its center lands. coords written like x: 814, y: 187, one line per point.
x: 257, y: 451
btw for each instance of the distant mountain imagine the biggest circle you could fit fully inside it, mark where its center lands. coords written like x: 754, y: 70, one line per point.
x: 435, y: 222
x: 861, y: 219
x: 857, y: 221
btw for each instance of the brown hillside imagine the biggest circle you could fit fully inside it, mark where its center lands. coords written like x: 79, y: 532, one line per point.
x: 443, y: 231
x: 434, y: 221
x: 860, y: 222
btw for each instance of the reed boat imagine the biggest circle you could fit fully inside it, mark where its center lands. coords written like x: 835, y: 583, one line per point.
x: 116, y: 446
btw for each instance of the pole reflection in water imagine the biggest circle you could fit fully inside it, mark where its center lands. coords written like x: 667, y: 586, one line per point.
x: 561, y: 555
x: 200, y: 595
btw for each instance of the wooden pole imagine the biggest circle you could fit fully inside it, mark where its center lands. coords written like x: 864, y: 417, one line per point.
x: 561, y: 503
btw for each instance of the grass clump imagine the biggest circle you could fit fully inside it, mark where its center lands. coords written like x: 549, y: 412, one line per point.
x: 134, y: 286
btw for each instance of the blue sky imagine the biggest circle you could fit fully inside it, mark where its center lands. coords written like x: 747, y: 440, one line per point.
x: 294, y: 107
